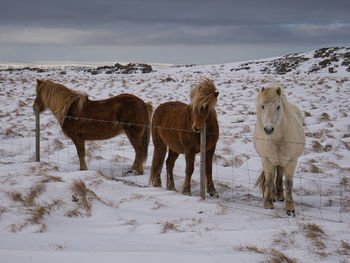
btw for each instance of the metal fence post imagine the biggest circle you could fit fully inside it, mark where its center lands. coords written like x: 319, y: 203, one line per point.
x: 202, y: 161
x: 37, y: 135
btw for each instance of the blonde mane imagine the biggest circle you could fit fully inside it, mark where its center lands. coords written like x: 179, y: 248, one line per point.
x: 203, y: 95
x: 59, y: 98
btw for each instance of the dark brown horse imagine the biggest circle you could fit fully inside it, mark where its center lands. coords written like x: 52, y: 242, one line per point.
x: 82, y: 119
x: 176, y: 126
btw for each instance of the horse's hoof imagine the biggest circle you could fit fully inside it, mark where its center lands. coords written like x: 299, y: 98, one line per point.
x: 156, y: 184
x: 128, y: 172
x: 290, y: 212
x: 281, y: 199
x: 268, y: 204
x: 214, y: 195
x: 171, y: 188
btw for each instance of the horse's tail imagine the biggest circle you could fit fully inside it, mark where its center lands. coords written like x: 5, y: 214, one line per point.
x: 147, y: 132
x: 260, y: 182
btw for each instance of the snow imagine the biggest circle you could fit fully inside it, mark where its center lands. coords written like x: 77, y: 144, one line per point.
x: 43, y: 219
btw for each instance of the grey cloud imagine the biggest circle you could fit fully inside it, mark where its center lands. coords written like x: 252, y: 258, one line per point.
x: 147, y: 23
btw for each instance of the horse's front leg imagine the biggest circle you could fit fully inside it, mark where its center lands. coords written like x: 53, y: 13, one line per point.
x: 80, y: 146
x: 269, y: 172
x: 170, y: 162
x: 190, y: 156
x: 288, y: 183
x: 208, y: 170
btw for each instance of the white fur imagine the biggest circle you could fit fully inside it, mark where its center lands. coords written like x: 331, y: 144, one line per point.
x: 284, y: 145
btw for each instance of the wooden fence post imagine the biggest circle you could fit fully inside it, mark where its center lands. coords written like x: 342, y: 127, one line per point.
x: 202, y: 161
x: 37, y: 135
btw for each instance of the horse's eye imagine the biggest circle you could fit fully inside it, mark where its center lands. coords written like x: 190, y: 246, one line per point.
x: 262, y: 106
x: 278, y: 108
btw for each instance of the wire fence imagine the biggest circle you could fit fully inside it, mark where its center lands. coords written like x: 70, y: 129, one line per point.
x: 317, y: 194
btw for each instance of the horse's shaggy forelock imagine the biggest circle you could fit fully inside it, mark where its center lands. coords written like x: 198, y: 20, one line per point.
x: 203, y: 95
x: 268, y: 94
x: 59, y: 98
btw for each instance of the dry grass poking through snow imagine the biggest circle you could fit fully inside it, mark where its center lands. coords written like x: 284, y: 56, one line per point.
x: 272, y: 255
x: 82, y: 197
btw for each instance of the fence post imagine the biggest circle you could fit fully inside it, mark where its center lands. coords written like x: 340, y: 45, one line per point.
x: 37, y: 134
x: 202, y: 161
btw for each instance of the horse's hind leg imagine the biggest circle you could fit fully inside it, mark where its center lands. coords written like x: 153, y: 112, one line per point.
x: 80, y: 146
x: 170, y: 162
x: 136, y: 141
x: 279, y: 184
x: 157, y: 162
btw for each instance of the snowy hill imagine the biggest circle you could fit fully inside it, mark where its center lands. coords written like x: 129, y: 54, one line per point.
x: 51, y: 211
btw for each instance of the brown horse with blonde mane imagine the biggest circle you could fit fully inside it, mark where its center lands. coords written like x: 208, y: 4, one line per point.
x: 176, y: 125
x: 82, y: 119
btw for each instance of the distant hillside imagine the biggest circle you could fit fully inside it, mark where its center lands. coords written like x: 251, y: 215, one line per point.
x: 325, y: 60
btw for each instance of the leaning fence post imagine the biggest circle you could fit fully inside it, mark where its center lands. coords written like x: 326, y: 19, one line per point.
x: 37, y: 135
x: 202, y: 161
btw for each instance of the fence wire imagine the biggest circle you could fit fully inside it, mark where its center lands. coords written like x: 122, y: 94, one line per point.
x: 316, y: 194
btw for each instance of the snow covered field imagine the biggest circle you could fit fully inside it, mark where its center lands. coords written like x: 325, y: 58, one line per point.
x: 52, y: 212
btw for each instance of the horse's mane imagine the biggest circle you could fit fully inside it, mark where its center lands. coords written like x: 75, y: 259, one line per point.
x: 203, y: 95
x: 59, y: 98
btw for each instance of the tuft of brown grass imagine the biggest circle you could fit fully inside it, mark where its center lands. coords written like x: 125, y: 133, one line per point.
x: 313, y: 230
x: 83, y: 198
x: 169, y: 226
x: 29, y: 199
x: 324, y: 117
x: 272, y: 255
x: 36, y: 216
x: 51, y: 178
x: 345, y: 248
x: 251, y: 248
x: 275, y: 256
x: 317, y: 147
x: 317, y: 235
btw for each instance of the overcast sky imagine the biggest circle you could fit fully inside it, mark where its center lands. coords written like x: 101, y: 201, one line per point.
x: 168, y: 31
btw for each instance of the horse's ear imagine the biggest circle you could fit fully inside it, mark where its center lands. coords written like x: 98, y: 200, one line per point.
x: 38, y: 81
x: 262, y: 89
x: 278, y: 91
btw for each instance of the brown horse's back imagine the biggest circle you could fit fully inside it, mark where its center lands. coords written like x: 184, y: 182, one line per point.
x: 103, y: 119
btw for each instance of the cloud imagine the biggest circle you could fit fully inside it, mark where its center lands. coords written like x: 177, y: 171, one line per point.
x: 167, y: 23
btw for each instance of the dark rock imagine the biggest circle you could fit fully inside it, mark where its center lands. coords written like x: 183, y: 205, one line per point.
x: 117, y: 68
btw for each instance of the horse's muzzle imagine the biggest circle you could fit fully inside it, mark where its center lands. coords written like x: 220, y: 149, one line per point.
x: 268, y: 130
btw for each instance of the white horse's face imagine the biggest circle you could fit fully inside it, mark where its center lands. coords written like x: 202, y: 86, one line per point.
x: 271, y: 114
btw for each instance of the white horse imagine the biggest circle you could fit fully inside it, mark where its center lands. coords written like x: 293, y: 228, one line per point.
x: 279, y: 139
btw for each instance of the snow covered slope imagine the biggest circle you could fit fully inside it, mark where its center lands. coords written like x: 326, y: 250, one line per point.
x: 51, y: 211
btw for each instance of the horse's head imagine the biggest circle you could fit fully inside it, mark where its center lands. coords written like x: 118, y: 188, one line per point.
x: 203, y: 100
x: 38, y: 102
x: 270, y: 108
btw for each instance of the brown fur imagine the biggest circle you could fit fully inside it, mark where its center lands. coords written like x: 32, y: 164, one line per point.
x: 82, y: 119
x: 175, y: 126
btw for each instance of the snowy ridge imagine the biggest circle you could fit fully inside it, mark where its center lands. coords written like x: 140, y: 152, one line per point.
x: 52, y: 212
